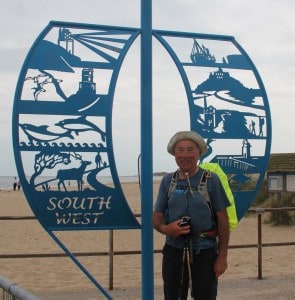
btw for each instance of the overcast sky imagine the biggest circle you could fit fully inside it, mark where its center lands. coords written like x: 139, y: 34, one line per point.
x: 264, y: 28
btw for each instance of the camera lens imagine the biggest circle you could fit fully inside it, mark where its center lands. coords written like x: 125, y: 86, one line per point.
x: 185, y: 221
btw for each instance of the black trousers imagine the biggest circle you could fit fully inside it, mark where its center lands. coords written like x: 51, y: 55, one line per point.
x: 176, y: 279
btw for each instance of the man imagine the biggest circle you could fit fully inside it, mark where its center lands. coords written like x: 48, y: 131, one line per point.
x: 195, y: 251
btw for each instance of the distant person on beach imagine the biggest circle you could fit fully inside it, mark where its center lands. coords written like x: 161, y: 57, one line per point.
x: 18, y: 185
x: 195, y: 251
x: 14, y: 184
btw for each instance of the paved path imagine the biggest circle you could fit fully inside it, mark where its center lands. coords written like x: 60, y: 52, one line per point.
x: 272, y: 288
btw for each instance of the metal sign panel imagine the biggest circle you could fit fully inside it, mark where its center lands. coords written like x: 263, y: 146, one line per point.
x: 63, y: 130
x: 228, y: 106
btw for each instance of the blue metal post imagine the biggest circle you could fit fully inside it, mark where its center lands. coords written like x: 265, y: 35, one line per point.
x: 146, y: 152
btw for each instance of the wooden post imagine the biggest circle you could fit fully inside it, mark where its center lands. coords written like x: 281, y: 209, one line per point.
x: 111, y: 259
x: 259, y: 246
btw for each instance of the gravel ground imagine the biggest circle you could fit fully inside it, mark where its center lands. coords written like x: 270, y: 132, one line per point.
x: 276, y: 288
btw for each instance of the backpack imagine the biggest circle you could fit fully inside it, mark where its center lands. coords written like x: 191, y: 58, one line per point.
x: 203, y: 190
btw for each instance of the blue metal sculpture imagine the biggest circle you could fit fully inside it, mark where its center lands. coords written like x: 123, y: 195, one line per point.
x: 228, y: 106
x: 62, y: 125
x: 62, y: 129
x: 72, y: 141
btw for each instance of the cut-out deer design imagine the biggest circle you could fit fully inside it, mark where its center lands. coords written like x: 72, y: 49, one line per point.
x: 72, y: 174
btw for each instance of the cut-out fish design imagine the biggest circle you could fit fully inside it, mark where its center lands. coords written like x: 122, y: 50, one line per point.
x: 80, y: 125
x: 42, y: 134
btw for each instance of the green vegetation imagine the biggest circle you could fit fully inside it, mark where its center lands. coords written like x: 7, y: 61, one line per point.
x: 266, y: 199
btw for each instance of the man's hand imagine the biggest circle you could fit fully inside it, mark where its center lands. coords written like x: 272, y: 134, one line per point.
x: 172, y: 229
x: 220, y: 265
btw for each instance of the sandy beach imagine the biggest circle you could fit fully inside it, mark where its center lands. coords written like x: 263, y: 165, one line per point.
x: 59, y: 278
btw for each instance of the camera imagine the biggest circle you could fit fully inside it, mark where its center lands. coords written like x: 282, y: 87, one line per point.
x: 185, y: 221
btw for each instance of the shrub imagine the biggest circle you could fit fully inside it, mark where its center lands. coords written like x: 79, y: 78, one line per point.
x: 266, y: 199
x: 282, y: 217
x: 262, y: 195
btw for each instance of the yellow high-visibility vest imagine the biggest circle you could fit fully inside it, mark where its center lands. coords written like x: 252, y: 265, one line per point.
x: 231, y: 210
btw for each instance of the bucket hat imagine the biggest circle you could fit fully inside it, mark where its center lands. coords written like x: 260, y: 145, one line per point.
x: 187, y: 135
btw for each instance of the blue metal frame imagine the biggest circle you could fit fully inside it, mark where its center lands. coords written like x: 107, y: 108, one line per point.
x: 226, y: 100
x: 146, y: 152
x: 239, y: 109
x: 61, y: 139
x: 73, y: 138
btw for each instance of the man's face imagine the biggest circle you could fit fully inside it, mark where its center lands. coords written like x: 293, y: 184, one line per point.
x: 187, y: 154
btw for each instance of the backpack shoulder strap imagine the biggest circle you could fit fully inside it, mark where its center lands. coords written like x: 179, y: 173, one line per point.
x: 173, y: 183
x: 203, y: 190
